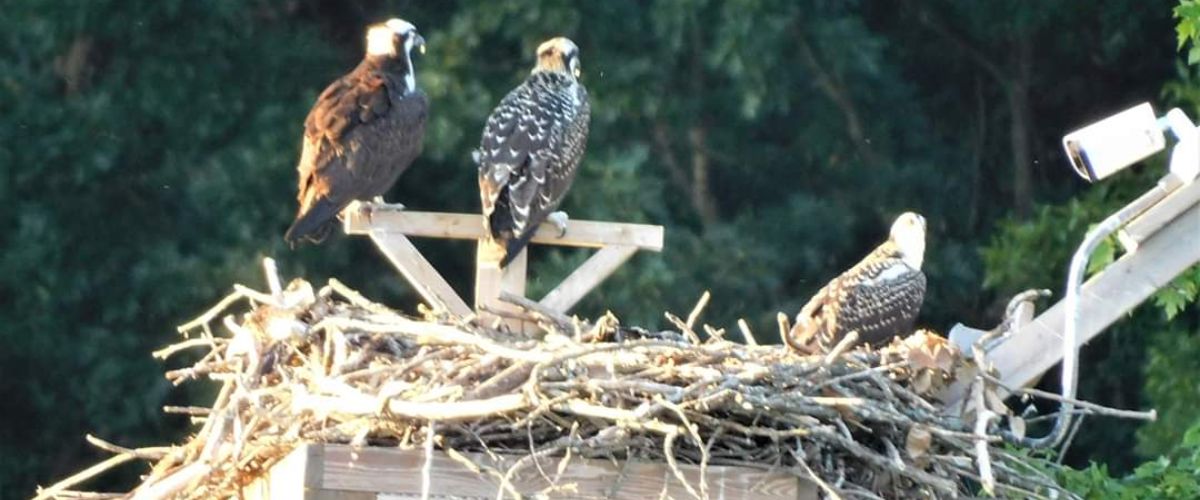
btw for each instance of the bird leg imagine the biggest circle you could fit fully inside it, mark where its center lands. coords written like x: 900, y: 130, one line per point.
x: 559, y: 219
x: 383, y: 205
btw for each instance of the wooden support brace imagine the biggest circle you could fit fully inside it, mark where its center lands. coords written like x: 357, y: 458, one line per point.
x: 1105, y: 298
x: 593, y: 271
x: 419, y: 272
x: 617, y: 242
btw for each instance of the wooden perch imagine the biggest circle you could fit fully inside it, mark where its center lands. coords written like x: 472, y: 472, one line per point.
x: 390, y: 229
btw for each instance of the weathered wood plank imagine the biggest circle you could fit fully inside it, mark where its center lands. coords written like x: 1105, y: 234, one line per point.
x: 1124, y: 284
x: 1166, y: 211
x: 596, y: 269
x: 419, y: 272
x: 580, y: 233
x: 395, y: 473
x: 294, y: 477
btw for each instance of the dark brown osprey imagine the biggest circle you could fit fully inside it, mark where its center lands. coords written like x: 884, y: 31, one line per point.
x: 531, y: 147
x: 879, y: 297
x: 364, y: 131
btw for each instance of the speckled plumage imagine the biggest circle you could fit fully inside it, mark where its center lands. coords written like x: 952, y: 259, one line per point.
x: 879, y: 298
x: 364, y: 131
x: 530, y: 151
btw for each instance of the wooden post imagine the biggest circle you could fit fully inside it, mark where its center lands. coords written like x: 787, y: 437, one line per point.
x: 390, y: 229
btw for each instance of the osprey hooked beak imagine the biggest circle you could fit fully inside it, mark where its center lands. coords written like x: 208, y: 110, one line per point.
x: 558, y: 54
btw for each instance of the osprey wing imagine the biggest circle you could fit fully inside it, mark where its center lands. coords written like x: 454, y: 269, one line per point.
x: 327, y: 178
x: 883, y: 299
x: 514, y: 151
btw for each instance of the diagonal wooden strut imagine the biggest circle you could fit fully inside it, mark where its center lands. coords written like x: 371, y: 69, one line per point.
x: 389, y: 229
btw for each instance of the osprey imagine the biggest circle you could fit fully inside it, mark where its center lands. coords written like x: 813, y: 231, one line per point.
x: 364, y: 131
x: 530, y: 149
x: 879, y: 297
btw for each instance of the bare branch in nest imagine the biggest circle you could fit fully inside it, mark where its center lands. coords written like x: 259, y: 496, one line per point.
x: 362, y: 373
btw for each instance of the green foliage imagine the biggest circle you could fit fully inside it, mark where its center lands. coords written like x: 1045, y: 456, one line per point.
x: 1188, y: 29
x: 150, y: 152
x: 1175, y: 475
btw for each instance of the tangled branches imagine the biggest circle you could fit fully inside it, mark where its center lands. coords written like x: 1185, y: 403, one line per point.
x: 330, y: 366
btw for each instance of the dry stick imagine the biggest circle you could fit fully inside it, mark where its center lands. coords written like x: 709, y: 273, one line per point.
x: 537, y: 308
x: 431, y: 333
x: 170, y: 350
x: 1151, y: 415
x: 683, y: 328
x: 1062, y: 452
x: 84, y: 475
x: 212, y: 312
x: 746, y: 333
x: 841, y: 347
x: 178, y: 480
x: 699, y: 308
x: 983, y: 417
x: 273, y: 279
x: 151, y: 453
x: 357, y: 299
x: 833, y: 495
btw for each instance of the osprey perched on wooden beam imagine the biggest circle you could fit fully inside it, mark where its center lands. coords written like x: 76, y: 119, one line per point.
x: 879, y: 297
x: 531, y: 147
x: 364, y: 131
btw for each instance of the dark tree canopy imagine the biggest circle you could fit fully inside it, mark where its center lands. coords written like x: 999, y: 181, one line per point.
x: 151, y: 149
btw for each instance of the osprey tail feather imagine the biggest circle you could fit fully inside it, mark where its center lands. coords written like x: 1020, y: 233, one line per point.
x: 314, y: 224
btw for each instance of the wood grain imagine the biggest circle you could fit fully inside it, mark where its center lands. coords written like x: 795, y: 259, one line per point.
x: 587, y: 276
x: 419, y: 272
x: 580, y: 233
x: 394, y: 473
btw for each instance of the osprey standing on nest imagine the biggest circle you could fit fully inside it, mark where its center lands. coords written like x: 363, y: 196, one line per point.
x: 364, y: 131
x: 530, y: 149
x: 879, y: 297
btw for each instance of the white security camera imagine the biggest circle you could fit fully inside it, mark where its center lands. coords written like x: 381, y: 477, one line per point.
x: 1108, y: 146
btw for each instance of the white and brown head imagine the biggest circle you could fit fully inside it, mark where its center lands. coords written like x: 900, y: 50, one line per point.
x: 908, y: 234
x: 394, y: 38
x: 559, y: 55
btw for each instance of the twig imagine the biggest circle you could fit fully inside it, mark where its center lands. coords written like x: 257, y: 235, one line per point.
x: 81, y: 476
x: 746, y: 333
x: 1151, y: 415
x: 983, y: 417
x: 699, y: 308
x: 841, y: 347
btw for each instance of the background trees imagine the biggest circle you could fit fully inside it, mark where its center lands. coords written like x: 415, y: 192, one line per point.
x: 150, y: 147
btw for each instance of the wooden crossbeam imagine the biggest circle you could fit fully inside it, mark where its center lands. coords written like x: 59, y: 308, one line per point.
x: 390, y: 229
x: 1106, y: 297
x: 580, y: 233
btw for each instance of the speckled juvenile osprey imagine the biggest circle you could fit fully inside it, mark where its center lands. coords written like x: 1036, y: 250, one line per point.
x: 364, y: 131
x: 879, y: 297
x: 531, y: 147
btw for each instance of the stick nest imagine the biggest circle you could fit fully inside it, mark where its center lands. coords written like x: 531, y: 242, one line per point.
x: 303, y: 365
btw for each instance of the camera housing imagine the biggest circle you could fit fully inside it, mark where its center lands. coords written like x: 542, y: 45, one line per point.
x: 1114, y: 143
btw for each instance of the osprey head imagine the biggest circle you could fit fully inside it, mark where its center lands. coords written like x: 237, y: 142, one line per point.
x: 395, y: 37
x: 560, y: 55
x: 908, y: 233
